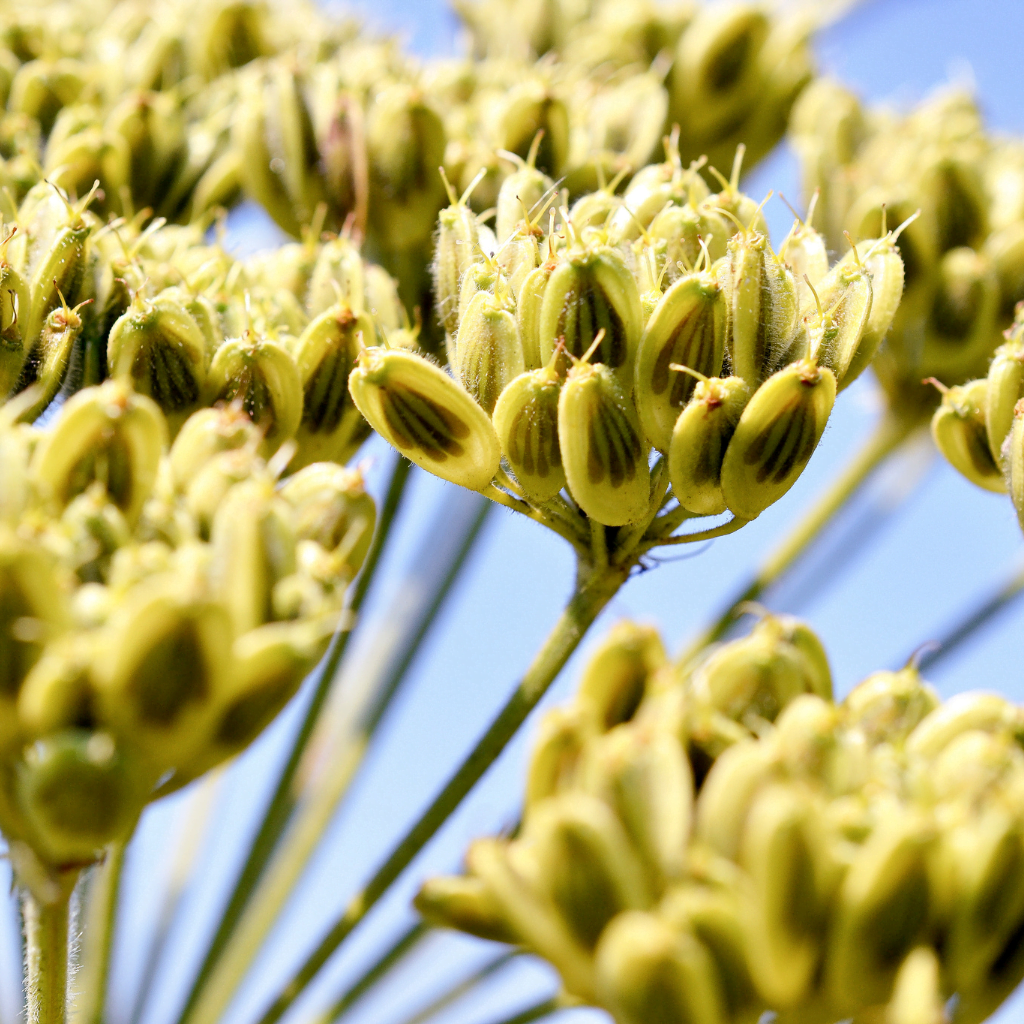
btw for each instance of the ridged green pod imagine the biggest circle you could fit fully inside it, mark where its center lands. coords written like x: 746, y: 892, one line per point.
x: 331, y: 427
x: 160, y: 348
x: 961, y: 330
x: 587, y: 865
x: 262, y: 375
x: 158, y: 676
x: 1013, y: 461
x: 78, y: 792
x: 838, y: 330
x: 205, y: 434
x: 960, y: 433
x: 1005, y: 389
x: 454, y: 251
x: 519, y: 194
x: 603, y: 450
x: 700, y: 440
x: 687, y: 327
x: 882, y: 912
x: 463, y: 902
x: 776, y: 436
x: 779, y: 850
x: 648, y: 971
x: 588, y: 292
x: 525, y: 419
x: 47, y: 363
x: 418, y: 409
x: 529, y: 304
x: 14, y: 310
x: 490, y: 353
x: 107, y: 434
x: 884, y: 265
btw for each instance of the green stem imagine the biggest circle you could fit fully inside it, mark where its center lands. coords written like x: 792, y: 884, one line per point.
x: 192, y: 835
x: 403, y: 630
x: 978, y: 617
x: 535, y: 1012
x: 100, y: 920
x: 885, y: 439
x: 457, y: 991
x: 282, y: 801
x: 46, y: 955
x: 405, y: 943
x: 593, y: 591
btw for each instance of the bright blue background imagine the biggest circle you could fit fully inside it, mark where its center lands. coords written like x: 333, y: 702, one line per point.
x: 934, y: 546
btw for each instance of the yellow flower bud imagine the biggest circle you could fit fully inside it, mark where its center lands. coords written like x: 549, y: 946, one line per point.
x: 262, y: 375
x: 888, y: 706
x: 457, y: 240
x: 520, y: 193
x: 700, y: 440
x: 338, y: 276
x: 107, y: 434
x: 48, y: 361
x: 1005, y: 389
x: 153, y: 126
x: 988, y: 712
x: 647, y: 971
x: 405, y: 140
x: 464, y: 903
x: 160, y: 670
x: 205, y: 434
x: 586, y: 864
x: 643, y: 774
x: 78, y: 792
x: 58, y: 693
x: 490, y: 353
x: 882, y: 912
x: 779, y: 850
x: 603, y: 451
x: 961, y: 331
x: 843, y: 311
x: 253, y: 547
x: 562, y: 738
x: 508, y: 872
x: 331, y: 507
x: 14, y: 306
x: 418, y: 409
x: 160, y: 348
x: 532, y: 108
x: 525, y: 419
x: 529, y: 304
x: 592, y: 291
x: 728, y: 791
x: 687, y: 327
x: 617, y: 675
x: 987, y: 853
x: 959, y: 432
x: 917, y: 996
x: 331, y: 428
x: 776, y: 436
x: 715, y: 76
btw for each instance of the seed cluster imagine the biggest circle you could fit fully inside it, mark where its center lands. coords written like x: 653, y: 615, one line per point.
x: 659, y: 319
x: 705, y: 842
x: 157, y: 607
x: 964, y: 253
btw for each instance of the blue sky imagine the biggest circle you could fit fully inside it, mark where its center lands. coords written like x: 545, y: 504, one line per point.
x: 937, y: 545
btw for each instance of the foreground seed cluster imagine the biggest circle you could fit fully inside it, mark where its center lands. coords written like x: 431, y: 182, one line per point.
x: 704, y: 842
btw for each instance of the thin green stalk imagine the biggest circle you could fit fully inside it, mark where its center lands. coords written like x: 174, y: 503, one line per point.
x: 403, y: 630
x: 192, y: 836
x: 393, y: 955
x: 282, y: 801
x: 46, y: 954
x: 457, y: 991
x: 884, y: 440
x: 100, y: 920
x: 542, y: 1009
x: 974, y: 620
x: 593, y: 592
